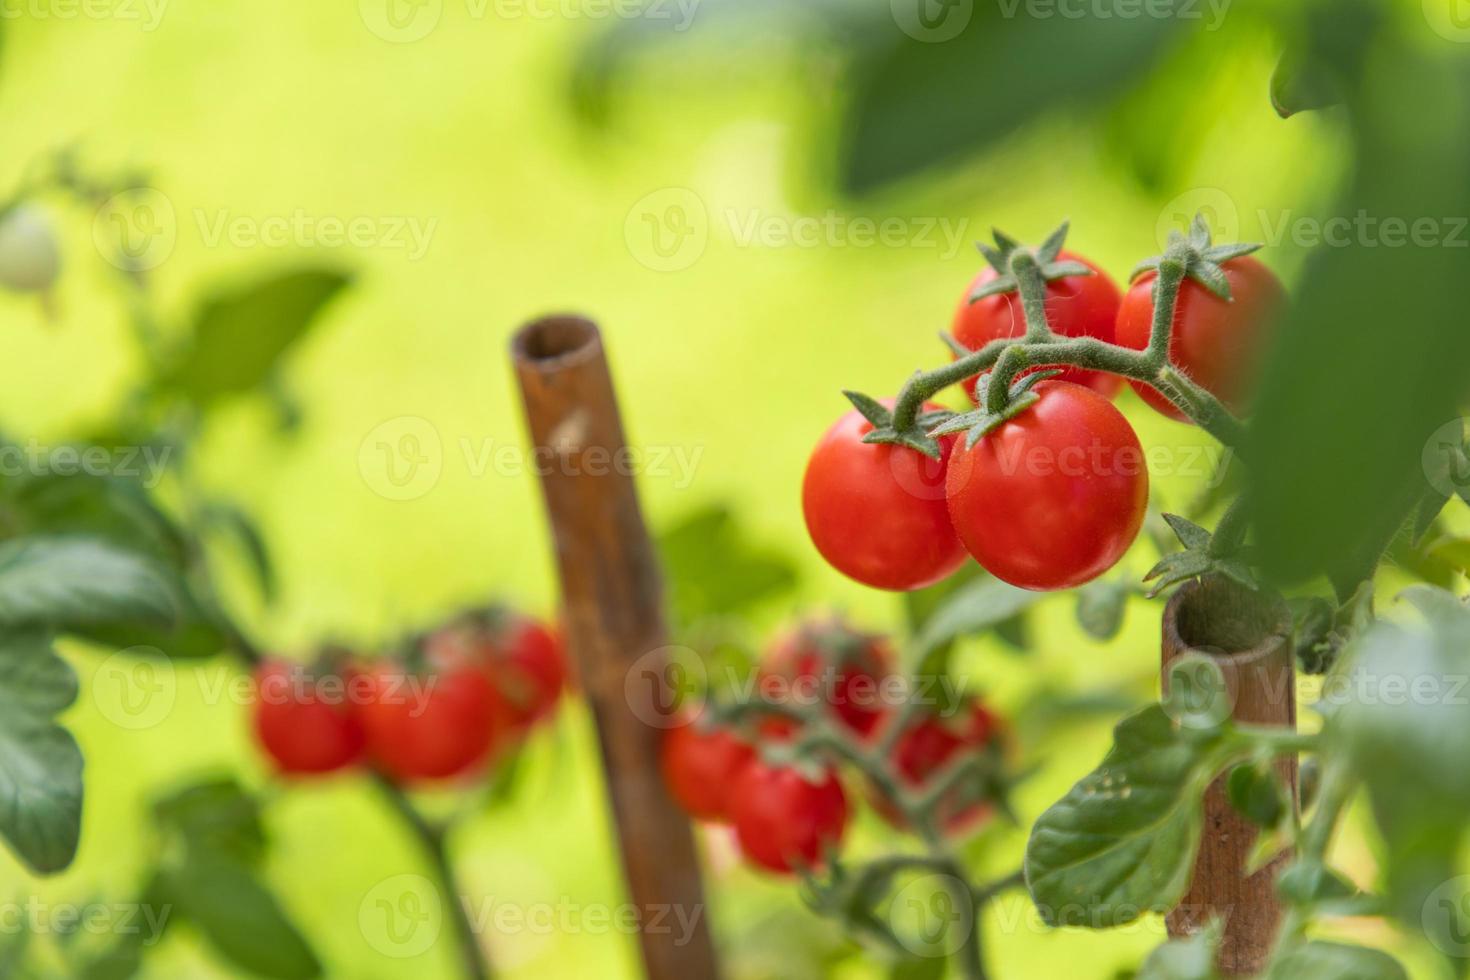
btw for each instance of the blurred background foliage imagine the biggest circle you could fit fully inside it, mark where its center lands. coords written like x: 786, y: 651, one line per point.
x: 537, y: 154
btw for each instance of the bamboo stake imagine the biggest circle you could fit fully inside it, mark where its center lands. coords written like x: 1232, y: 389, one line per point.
x: 1249, y: 636
x: 612, y: 596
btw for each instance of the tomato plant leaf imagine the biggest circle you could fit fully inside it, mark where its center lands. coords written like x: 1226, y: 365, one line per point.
x: 1123, y: 840
x: 1337, y: 437
x: 1335, y: 961
x: 712, y: 569
x: 240, y: 918
x: 979, y: 605
x: 117, y: 509
x: 217, y: 814
x: 240, y: 336
x: 1410, y: 728
x: 80, y: 582
x: 1190, y: 958
x: 915, y: 103
x: 1100, y: 608
x: 40, y: 764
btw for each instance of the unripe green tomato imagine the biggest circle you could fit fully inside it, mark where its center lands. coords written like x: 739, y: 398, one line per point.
x: 30, y: 259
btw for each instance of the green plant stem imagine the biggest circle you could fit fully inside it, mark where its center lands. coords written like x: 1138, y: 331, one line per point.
x: 1230, y: 532
x: 1041, y: 346
x: 473, y: 960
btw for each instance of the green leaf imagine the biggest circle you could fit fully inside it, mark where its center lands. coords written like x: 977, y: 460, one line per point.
x: 113, y: 508
x: 1123, y: 840
x: 1256, y: 792
x: 70, y: 583
x: 1299, y: 84
x: 246, y: 533
x: 977, y: 607
x: 1336, y: 961
x: 1405, y: 725
x: 1341, y: 421
x: 217, y: 815
x: 238, y: 916
x: 1100, y: 608
x: 240, y: 336
x: 913, y: 103
x: 1190, y: 958
x: 40, y: 764
x: 712, y: 569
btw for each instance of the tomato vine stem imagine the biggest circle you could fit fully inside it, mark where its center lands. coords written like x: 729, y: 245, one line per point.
x: 1040, y: 345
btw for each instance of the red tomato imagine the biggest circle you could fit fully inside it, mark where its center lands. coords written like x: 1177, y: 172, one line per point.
x: 1076, y: 306
x: 784, y: 822
x: 1218, y: 344
x: 827, y: 661
x: 430, y: 726
x: 928, y: 747
x: 877, y: 513
x: 524, y: 660
x: 1053, y: 497
x: 700, y: 768
x: 300, y: 728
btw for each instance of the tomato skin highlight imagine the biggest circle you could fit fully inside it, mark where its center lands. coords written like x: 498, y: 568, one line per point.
x: 1076, y: 306
x: 877, y: 512
x: 784, y: 822
x: 930, y: 745
x: 1053, y: 497
x: 430, y: 727
x: 1218, y: 344
x: 302, y: 733
x: 830, y: 660
x: 700, y: 769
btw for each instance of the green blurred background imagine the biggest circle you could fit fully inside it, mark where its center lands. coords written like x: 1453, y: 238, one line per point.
x: 535, y: 193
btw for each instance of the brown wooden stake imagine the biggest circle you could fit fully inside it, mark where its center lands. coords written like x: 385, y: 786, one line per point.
x: 613, y: 605
x: 1248, y: 636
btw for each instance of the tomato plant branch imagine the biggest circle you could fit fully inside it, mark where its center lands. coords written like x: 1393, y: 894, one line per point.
x: 474, y: 962
x: 1040, y: 345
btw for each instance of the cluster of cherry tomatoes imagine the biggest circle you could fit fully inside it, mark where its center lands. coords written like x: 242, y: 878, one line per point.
x: 787, y: 818
x: 1053, y: 497
x: 459, y: 698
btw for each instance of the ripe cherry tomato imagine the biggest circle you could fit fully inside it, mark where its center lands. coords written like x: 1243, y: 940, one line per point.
x: 524, y: 660
x: 928, y: 747
x: 1053, y: 497
x: 432, y: 725
x: 302, y: 729
x: 828, y: 661
x: 700, y: 767
x: 783, y: 821
x: 1216, y: 343
x: 877, y: 513
x: 1076, y: 306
